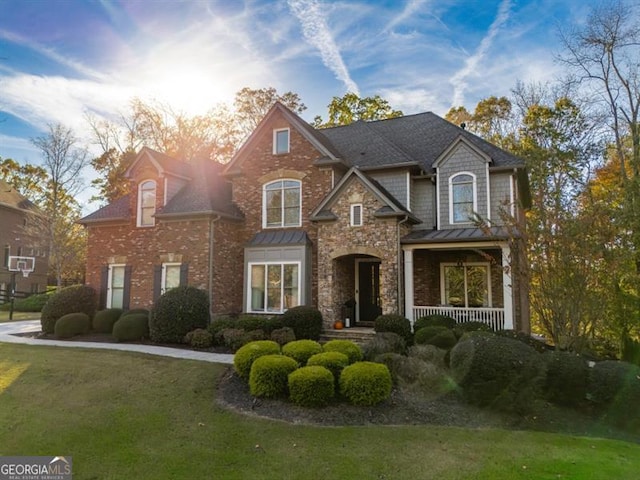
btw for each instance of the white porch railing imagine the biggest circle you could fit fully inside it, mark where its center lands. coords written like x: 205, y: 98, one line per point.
x: 494, y: 317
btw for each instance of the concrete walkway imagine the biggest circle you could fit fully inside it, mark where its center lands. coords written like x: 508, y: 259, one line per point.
x: 9, y: 329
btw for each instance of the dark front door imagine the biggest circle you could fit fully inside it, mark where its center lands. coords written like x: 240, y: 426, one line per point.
x: 368, y: 291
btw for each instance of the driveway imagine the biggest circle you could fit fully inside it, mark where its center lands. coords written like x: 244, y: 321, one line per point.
x: 9, y: 329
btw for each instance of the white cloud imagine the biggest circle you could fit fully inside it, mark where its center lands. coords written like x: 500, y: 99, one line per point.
x: 412, y: 7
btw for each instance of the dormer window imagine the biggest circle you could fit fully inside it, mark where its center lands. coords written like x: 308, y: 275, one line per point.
x: 462, y: 197
x: 146, y: 203
x: 281, y: 141
x: 281, y: 204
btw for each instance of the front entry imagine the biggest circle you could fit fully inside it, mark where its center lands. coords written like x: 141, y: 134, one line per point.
x: 367, y: 291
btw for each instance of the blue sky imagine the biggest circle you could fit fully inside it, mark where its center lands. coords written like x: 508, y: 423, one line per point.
x: 60, y: 59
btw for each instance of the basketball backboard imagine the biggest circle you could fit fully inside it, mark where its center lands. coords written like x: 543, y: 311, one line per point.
x: 24, y: 265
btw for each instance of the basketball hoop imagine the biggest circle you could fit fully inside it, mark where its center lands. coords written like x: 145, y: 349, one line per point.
x: 24, y: 265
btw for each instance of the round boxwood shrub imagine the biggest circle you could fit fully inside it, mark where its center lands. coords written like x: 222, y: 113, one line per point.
x: 384, y: 342
x: 499, y: 372
x: 283, y: 335
x: 566, y: 379
x: 74, y: 299
x: 396, y: 324
x: 269, y: 375
x: 131, y: 328
x: 136, y: 311
x: 473, y: 326
x: 311, y: 386
x: 247, y: 354
x: 435, y: 320
x: 72, y: 324
x: 438, y: 336
x: 104, y: 320
x: 301, y: 350
x: 527, y: 339
x: 252, y: 322
x: 232, y: 338
x: 306, y: 322
x: 333, y: 361
x: 366, y: 383
x: 350, y: 349
x: 199, y: 338
x: 177, y: 312
x: 218, y: 325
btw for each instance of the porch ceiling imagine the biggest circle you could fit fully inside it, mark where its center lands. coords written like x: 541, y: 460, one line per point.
x: 455, y: 235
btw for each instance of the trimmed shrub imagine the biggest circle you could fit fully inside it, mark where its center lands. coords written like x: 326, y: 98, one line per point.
x: 429, y: 354
x: 269, y: 375
x: 247, y: 354
x: 104, y: 320
x: 441, y: 337
x: 499, y: 372
x: 72, y: 324
x: 312, y: 386
x: 273, y: 323
x: 177, y: 312
x: 306, y: 322
x: 137, y: 311
x: 614, y: 389
x: 384, y: 342
x: 414, y: 374
x: 527, y: 339
x: 217, y: 326
x: 251, y: 322
x: 473, y: 326
x: 435, y: 320
x: 333, y: 361
x: 399, y: 367
x: 232, y: 338
x: 350, y: 349
x: 74, y: 299
x: 301, y: 350
x: 283, y: 335
x: 199, y: 338
x: 366, y: 383
x: 130, y: 328
x: 253, y: 335
x: 566, y: 380
x: 396, y: 324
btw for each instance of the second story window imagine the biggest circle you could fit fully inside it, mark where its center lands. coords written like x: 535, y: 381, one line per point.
x: 281, y: 141
x: 281, y: 204
x: 462, y: 197
x: 356, y: 215
x: 146, y: 203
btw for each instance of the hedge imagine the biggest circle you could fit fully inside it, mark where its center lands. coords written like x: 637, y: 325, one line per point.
x: 72, y: 324
x: 306, y: 322
x: 130, y: 328
x: 74, y: 299
x: 177, y: 312
x: 104, y: 320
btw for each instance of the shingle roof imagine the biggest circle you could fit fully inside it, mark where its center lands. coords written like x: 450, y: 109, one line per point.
x: 10, y: 197
x: 116, y: 210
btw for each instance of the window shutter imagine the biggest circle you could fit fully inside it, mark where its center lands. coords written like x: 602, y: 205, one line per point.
x: 184, y: 272
x: 126, y: 291
x: 157, y: 281
x: 104, y: 283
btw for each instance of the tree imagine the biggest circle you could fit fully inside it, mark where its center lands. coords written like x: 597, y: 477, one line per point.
x: 251, y: 105
x: 491, y: 119
x: 350, y: 108
x: 29, y: 180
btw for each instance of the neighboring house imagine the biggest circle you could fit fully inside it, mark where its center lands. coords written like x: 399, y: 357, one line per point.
x: 359, y: 220
x: 17, y: 239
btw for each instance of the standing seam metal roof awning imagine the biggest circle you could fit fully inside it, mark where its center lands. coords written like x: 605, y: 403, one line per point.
x: 279, y: 237
x: 455, y: 235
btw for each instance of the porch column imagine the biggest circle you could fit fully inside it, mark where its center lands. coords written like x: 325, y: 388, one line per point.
x: 408, y: 284
x: 507, y: 288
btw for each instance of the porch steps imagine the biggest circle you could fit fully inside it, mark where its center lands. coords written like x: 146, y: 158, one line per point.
x: 359, y: 335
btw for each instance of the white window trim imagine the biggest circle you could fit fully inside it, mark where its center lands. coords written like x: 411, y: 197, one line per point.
x: 443, y: 299
x: 250, y: 265
x: 352, y: 216
x: 110, y: 282
x: 475, y: 197
x: 163, y: 281
x: 264, y: 205
x: 139, y: 209
x: 275, y: 143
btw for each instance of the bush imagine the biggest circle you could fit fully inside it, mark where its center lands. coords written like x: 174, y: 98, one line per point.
x: 217, y: 326
x: 499, y: 372
x: 253, y: 335
x: 349, y: 348
x: 525, y: 338
x: 104, y: 320
x: 366, y: 383
x: 32, y: 303
x: 384, y: 342
x: 283, y: 335
x: 312, y: 386
x: 413, y: 373
x: 177, y: 312
x: 566, y: 380
x: 429, y: 354
x: 72, y: 324
x: 473, y: 326
x: 435, y: 320
x: 251, y: 322
x: 332, y: 361
x: 269, y: 375
x: 396, y: 324
x: 631, y: 351
x: 399, y: 366
x: 247, y: 354
x: 301, y: 350
x: 130, y: 328
x: 306, y: 322
x: 199, y: 338
x: 614, y: 389
x: 74, y: 299
x: 137, y: 311
x: 233, y: 338
x: 440, y: 337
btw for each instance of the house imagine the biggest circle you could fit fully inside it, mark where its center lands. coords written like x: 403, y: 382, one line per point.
x: 17, y: 215
x: 359, y: 220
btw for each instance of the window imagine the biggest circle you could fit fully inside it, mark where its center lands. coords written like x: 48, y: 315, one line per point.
x: 170, y: 276
x: 115, y: 286
x: 281, y: 204
x: 281, y: 141
x: 147, y: 203
x: 462, y: 195
x: 466, y: 285
x: 356, y: 215
x: 273, y: 287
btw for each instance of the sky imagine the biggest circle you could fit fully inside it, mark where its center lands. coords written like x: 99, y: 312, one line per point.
x: 62, y: 59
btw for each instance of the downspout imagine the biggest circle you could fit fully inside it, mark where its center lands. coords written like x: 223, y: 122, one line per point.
x: 211, y: 244
x: 399, y: 270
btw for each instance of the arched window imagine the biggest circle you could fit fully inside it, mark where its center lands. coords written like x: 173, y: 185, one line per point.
x: 281, y: 204
x: 462, y: 197
x: 146, y: 203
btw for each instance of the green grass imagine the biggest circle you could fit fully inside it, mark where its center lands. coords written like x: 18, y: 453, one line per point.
x: 123, y: 415
x: 4, y: 316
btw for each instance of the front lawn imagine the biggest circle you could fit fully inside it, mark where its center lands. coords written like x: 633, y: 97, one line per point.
x: 123, y: 415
